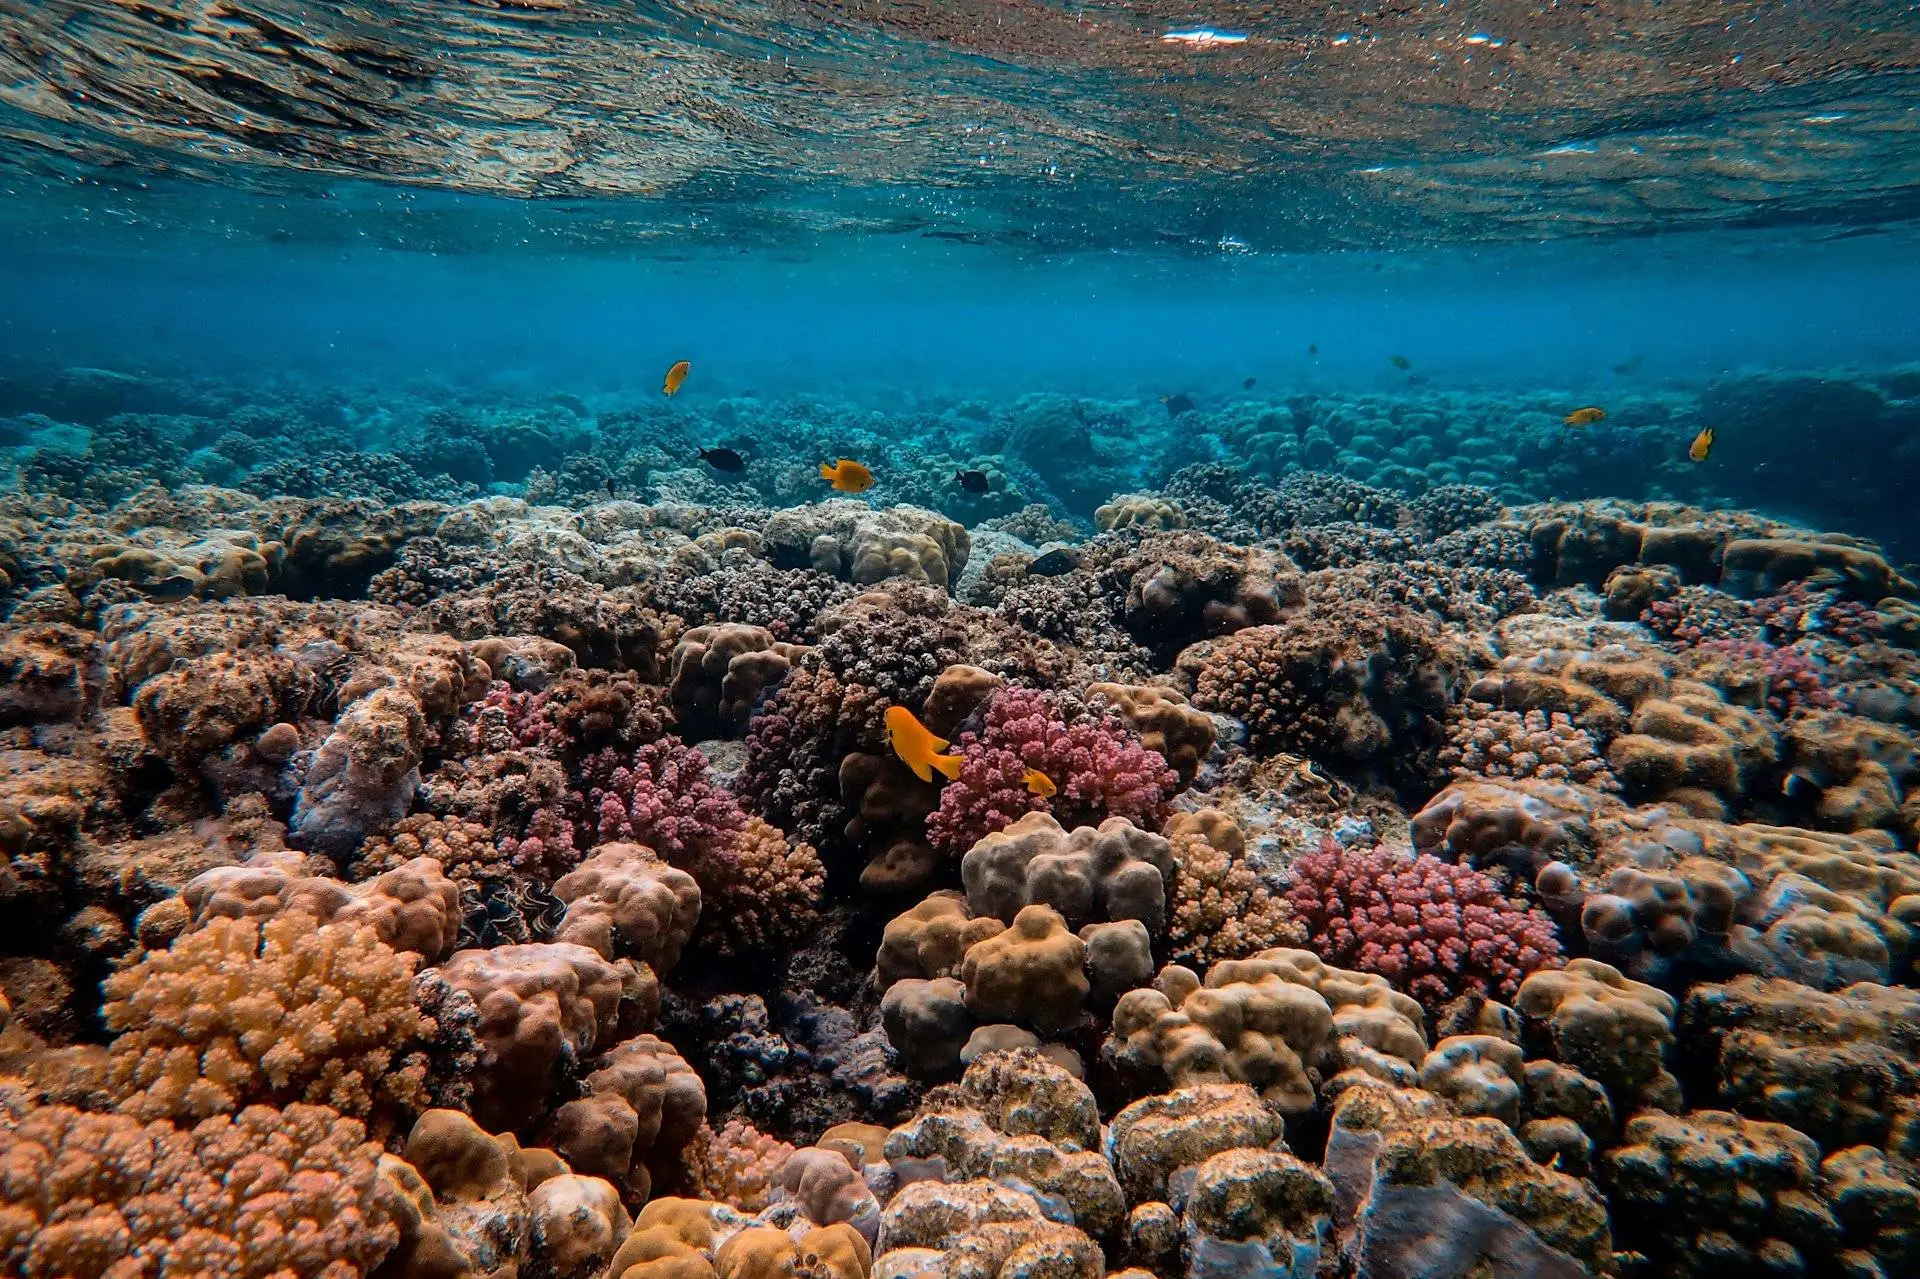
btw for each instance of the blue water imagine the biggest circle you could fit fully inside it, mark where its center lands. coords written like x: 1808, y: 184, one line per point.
x: 891, y: 320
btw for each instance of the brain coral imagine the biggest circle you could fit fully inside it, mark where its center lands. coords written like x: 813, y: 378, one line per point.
x: 264, y: 1194
x: 1434, y: 929
x: 1097, y: 765
x: 239, y: 1012
x: 542, y: 1007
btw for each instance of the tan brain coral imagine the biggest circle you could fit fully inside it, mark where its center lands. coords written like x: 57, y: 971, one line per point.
x: 542, y: 1006
x: 459, y: 1197
x: 643, y: 1106
x: 1615, y: 1030
x: 1030, y: 974
x: 931, y: 939
x: 411, y: 907
x: 719, y: 673
x: 1280, y: 1021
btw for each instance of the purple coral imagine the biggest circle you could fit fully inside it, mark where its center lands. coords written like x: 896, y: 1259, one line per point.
x: 1432, y: 928
x: 1800, y: 608
x: 1099, y: 767
x: 1794, y: 680
x: 659, y: 796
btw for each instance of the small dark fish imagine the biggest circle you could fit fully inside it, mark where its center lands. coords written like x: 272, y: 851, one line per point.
x: 167, y: 590
x: 609, y: 486
x: 723, y: 460
x: 973, y: 481
x: 1055, y: 562
x: 1628, y: 366
x: 1177, y: 404
x: 1313, y: 349
x: 1246, y: 384
x: 1400, y: 362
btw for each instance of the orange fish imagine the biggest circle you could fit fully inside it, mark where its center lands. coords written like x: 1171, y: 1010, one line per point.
x: 916, y: 745
x: 675, y: 376
x: 847, y: 476
x: 1585, y: 417
x: 1702, y: 444
x: 1039, y: 783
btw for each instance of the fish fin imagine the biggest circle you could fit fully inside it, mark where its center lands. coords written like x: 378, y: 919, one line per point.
x: 826, y: 472
x: 949, y: 765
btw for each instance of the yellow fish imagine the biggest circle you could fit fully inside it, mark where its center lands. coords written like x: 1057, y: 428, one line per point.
x: 1400, y: 362
x: 1702, y: 444
x: 1039, y: 783
x: 676, y: 376
x: 847, y: 476
x: 1586, y: 416
x: 916, y: 745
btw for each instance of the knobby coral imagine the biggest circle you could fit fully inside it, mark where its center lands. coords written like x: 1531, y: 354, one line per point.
x: 238, y: 1012
x: 262, y: 1194
x: 1098, y: 767
x: 1432, y: 928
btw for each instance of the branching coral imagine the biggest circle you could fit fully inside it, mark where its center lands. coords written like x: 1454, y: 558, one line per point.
x: 1432, y: 928
x: 659, y: 797
x: 1486, y: 742
x: 1791, y: 679
x: 1697, y: 614
x: 1221, y: 909
x: 795, y: 748
x: 238, y: 1012
x: 264, y: 1194
x: 762, y: 892
x: 735, y: 1164
x: 1098, y: 767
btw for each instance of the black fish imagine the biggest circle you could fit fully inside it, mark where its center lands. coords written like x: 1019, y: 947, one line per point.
x: 610, y: 486
x: 1400, y: 362
x: 1631, y: 365
x: 1177, y: 404
x: 1313, y: 348
x: 1247, y: 384
x: 1055, y: 562
x: 973, y: 481
x: 723, y: 460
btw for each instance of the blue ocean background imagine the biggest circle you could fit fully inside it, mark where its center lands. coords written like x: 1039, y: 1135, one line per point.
x: 886, y: 321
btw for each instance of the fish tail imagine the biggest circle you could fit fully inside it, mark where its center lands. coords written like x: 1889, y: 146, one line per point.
x: 949, y: 765
x: 826, y: 471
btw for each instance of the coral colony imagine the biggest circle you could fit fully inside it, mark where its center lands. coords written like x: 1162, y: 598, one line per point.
x: 476, y: 847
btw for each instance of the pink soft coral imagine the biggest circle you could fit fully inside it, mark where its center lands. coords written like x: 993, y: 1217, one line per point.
x: 1432, y: 928
x: 659, y: 796
x: 1098, y: 765
x: 1794, y: 680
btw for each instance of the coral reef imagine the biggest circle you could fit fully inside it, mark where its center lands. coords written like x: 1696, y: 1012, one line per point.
x: 444, y: 832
